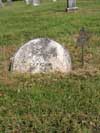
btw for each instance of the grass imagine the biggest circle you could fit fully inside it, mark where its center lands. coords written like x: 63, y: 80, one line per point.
x: 50, y: 103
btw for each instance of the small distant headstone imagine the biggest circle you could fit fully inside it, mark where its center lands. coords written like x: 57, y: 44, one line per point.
x: 28, y: 2
x: 36, y: 2
x: 71, y: 5
x: 1, y: 3
x: 41, y: 55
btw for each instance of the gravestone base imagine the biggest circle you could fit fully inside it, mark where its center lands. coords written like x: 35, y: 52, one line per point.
x: 36, y: 2
x: 54, y: 0
x: 72, y: 9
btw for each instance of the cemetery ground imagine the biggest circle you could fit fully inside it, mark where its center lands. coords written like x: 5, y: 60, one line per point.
x: 50, y: 103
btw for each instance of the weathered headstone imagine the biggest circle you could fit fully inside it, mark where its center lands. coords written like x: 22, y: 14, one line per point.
x: 41, y: 55
x: 28, y: 2
x: 71, y: 5
x: 1, y: 3
x: 36, y: 2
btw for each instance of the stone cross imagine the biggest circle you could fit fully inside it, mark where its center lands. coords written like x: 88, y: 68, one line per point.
x: 71, y: 5
x: 82, y: 40
x: 36, y: 2
x: 1, y: 3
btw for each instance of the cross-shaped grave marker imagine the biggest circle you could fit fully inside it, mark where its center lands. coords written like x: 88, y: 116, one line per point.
x: 82, y: 40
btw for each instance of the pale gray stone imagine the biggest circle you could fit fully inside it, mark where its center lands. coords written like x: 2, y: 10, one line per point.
x: 54, y: 0
x: 71, y: 5
x: 28, y: 2
x: 41, y: 55
x: 36, y: 2
x: 1, y: 3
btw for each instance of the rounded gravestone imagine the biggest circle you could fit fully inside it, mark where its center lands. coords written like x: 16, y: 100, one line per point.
x: 41, y: 55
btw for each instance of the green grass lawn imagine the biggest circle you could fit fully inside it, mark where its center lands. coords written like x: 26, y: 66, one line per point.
x: 50, y: 103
